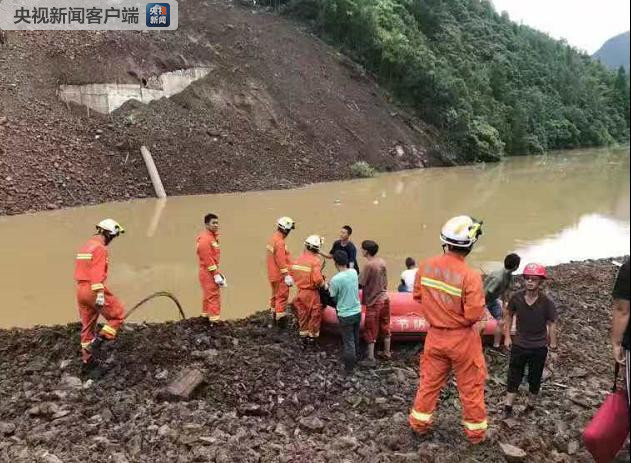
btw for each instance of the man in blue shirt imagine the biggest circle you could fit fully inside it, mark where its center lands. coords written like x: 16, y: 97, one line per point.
x: 344, y: 289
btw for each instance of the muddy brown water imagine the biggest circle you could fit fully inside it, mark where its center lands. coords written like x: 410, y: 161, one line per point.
x: 554, y: 208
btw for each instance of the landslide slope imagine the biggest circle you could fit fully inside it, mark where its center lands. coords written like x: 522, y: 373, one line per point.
x: 278, y: 109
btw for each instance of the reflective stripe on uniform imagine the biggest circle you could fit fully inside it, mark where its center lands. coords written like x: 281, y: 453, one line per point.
x: 97, y: 286
x: 270, y: 248
x: 213, y: 318
x: 214, y: 244
x: 303, y: 333
x: 482, y: 425
x: 85, y: 345
x: 279, y: 315
x: 84, y: 256
x: 108, y: 330
x: 303, y: 268
x: 441, y: 286
x: 283, y: 270
x: 424, y: 417
x: 212, y: 268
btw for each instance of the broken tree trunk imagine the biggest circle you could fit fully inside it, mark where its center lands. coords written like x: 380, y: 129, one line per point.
x: 183, y: 386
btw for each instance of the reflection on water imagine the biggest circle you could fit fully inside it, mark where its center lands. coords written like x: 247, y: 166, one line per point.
x: 594, y: 236
x: 550, y: 208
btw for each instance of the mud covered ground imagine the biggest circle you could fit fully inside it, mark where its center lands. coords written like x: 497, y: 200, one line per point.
x: 265, y: 400
x: 278, y: 109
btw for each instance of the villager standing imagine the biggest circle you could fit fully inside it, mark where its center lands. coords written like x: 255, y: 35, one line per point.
x: 536, y: 333
x: 343, y: 288
x: 346, y: 245
x: 452, y: 300
x: 496, y: 287
x: 374, y: 283
x: 620, y: 337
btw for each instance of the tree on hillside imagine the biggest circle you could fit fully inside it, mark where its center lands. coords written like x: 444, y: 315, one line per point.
x: 489, y: 84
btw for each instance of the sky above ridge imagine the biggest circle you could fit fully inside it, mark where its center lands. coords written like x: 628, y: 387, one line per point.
x: 585, y: 24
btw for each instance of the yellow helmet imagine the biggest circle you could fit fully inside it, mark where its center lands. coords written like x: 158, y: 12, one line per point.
x: 286, y: 223
x: 111, y: 226
x: 462, y: 231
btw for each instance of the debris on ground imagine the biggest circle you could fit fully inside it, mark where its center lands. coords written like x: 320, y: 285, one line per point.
x: 264, y: 399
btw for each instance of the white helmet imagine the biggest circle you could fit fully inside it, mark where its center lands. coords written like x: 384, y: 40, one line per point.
x: 111, y: 226
x: 314, y: 242
x: 286, y: 223
x: 462, y: 231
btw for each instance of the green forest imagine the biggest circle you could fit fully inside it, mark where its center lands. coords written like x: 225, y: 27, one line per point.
x: 491, y: 86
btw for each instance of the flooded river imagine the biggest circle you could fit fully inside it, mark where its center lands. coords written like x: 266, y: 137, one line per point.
x: 554, y: 208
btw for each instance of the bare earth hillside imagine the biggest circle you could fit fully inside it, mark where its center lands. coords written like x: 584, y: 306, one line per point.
x: 278, y: 109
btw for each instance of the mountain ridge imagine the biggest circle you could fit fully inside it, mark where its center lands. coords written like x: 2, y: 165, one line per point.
x: 615, y: 51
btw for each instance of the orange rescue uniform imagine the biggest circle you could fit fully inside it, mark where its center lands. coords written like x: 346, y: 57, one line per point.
x: 452, y: 298
x: 90, y: 274
x: 278, y: 261
x: 307, y: 274
x: 208, y: 254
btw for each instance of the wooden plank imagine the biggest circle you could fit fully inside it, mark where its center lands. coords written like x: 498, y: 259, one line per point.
x: 183, y: 386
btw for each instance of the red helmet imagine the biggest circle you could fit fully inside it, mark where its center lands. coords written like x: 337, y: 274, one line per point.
x: 536, y: 270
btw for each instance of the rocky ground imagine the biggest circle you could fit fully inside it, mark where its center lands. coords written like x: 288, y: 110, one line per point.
x: 265, y: 400
x: 278, y: 109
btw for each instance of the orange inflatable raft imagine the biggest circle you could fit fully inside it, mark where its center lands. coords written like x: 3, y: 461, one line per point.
x: 406, y: 321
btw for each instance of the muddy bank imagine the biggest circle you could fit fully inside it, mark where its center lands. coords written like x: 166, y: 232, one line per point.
x: 267, y: 400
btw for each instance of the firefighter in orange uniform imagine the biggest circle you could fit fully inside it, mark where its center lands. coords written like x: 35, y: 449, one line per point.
x: 93, y: 297
x: 210, y: 279
x: 307, y: 274
x: 452, y: 298
x: 278, y: 262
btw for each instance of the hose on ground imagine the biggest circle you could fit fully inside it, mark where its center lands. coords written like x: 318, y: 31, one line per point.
x: 153, y: 296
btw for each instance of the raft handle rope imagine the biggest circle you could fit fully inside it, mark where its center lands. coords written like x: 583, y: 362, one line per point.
x: 154, y: 295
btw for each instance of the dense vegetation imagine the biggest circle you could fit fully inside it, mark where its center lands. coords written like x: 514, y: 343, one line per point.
x: 490, y: 85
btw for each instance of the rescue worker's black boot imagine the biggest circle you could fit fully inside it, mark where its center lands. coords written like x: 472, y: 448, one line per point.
x: 92, y: 370
x: 305, y: 342
x: 98, y: 346
x: 281, y: 323
x: 97, y: 343
x: 272, y: 320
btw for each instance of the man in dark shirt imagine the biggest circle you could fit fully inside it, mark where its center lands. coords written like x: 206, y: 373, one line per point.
x: 345, y: 244
x: 620, y: 325
x: 536, y: 331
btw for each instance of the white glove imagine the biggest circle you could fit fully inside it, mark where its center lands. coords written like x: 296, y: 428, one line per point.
x: 100, y: 299
x: 219, y: 279
x: 289, y: 281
